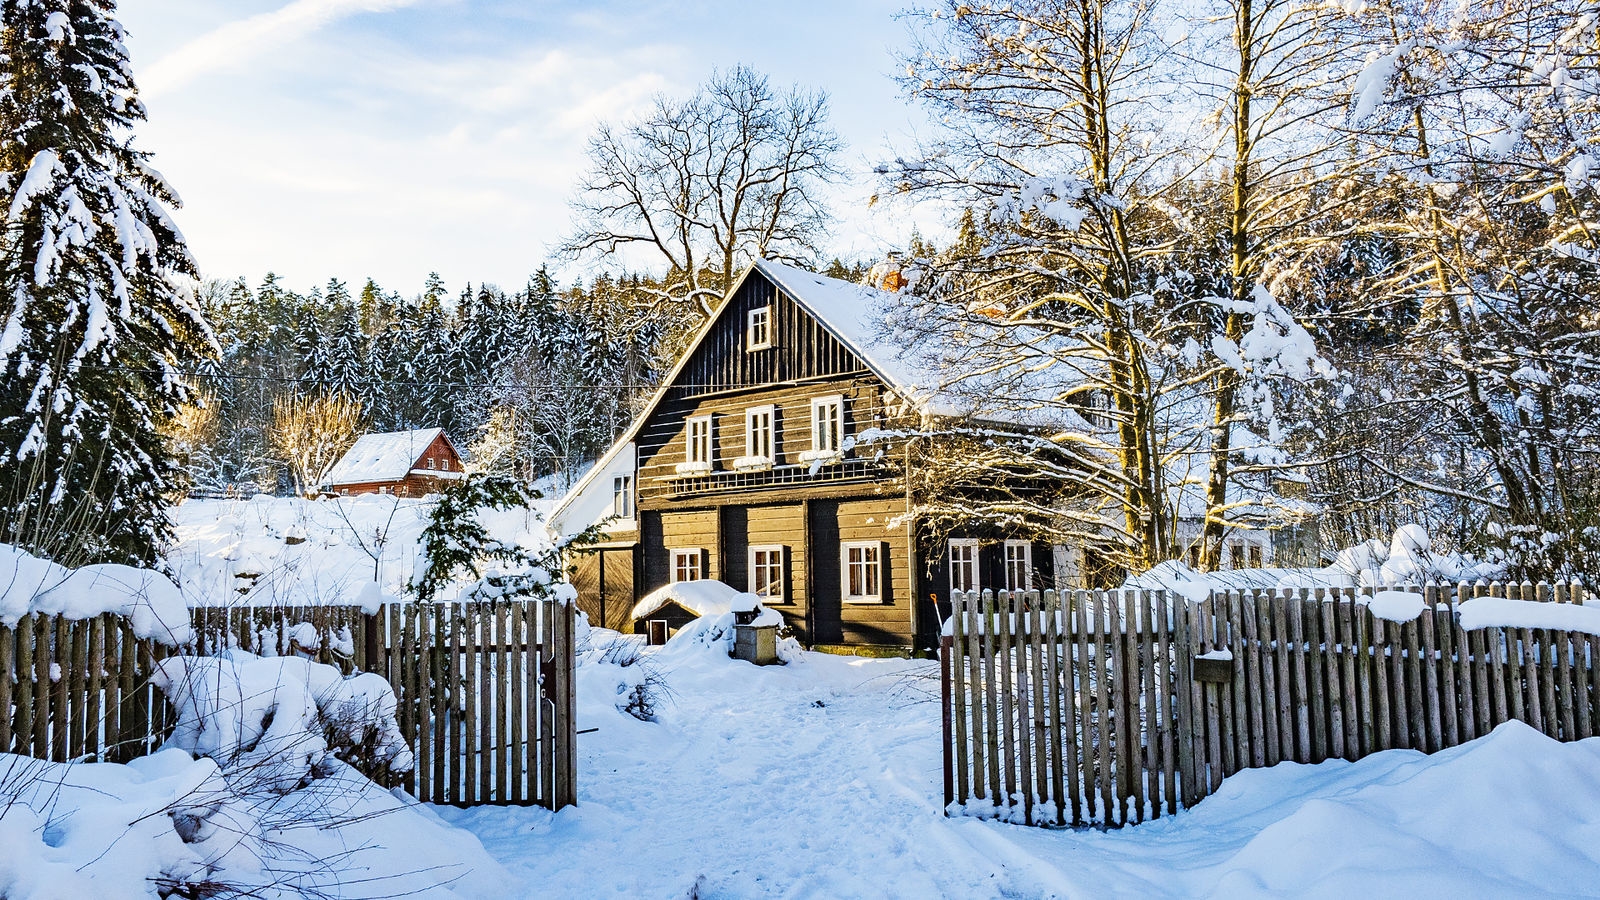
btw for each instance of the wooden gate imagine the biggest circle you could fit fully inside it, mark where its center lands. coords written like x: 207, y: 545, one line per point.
x: 484, y: 690
x: 1114, y: 707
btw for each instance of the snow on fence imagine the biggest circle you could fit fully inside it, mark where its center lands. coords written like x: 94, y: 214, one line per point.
x: 1112, y: 707
x: 485, y: 689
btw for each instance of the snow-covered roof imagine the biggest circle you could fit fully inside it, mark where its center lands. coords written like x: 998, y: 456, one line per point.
x: 703, y: 598
x: 381, y: 457
x: 927, y: 373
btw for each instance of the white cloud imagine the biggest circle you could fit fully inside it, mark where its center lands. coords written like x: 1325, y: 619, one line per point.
x: 239, y: 41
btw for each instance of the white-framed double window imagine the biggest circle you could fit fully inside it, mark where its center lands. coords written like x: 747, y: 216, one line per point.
x: 758, y: 328
x: 622, y: 496
x: 827, y: 424
x: 862, y: 564
x: 963, y: 564
x: 766, y: 572
x: 760, y: 430
x: 688, y: 564
x: 1019, y: 566
x: 699, y: 449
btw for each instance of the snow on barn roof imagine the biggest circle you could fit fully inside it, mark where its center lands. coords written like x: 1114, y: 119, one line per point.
x: 381, y: 457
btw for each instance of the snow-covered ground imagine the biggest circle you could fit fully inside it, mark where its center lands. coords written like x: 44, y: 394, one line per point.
x: 288, y: 550
x: 823, y: 779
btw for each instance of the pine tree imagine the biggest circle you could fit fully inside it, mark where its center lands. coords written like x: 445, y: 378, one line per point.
x: 99, y: 317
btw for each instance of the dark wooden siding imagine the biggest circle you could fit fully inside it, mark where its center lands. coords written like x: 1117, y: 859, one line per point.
x: 662, y: 442
x: 603, y: 578
x: 801, y: 348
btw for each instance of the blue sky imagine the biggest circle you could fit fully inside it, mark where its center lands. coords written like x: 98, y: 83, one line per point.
x: 389, y: 138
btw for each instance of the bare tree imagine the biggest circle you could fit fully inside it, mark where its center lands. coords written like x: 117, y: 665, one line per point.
x: 311, y: 431
x: 709, y: 183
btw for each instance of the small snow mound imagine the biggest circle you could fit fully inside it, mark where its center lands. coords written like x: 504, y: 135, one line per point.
x: 1396, y: 606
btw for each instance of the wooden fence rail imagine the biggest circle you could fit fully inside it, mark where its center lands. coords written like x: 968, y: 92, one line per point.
x: 1114, y: 707
x: 484, y: 689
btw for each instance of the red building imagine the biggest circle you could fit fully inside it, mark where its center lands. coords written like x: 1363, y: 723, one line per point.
x: 402, y: 463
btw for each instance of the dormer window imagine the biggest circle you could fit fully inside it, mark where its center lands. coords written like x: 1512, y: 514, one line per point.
x: 758, y: 329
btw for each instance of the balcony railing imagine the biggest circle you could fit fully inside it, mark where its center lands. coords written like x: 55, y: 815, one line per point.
x: 791, y: 475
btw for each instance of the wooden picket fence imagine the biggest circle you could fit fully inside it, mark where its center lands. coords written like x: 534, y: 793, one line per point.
x: 1114, y: 707
x: 484, y: 689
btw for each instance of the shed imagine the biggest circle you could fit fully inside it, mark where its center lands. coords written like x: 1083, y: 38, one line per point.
x: 663, y: 611
x: 403, y: 463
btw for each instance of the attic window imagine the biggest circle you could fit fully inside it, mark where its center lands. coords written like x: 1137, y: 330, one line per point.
x: 758, y: 329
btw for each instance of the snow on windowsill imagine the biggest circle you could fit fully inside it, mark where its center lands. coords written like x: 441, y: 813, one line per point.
x: 692, y: 468
x: 863, y: 600
x: 825, y: 457
x: 752, y: 464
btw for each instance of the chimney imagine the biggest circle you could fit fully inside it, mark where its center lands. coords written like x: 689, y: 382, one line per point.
x: 887, y: 275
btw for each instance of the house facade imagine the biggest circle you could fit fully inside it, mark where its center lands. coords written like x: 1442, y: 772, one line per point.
x: 402, y: 463
x: 749, y: 466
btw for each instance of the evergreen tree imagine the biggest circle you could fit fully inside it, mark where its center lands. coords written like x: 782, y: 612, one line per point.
x: 99, y: 318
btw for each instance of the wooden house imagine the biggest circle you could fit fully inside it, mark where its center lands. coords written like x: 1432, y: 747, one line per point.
x: 747, y: 467
x: 403, y: 463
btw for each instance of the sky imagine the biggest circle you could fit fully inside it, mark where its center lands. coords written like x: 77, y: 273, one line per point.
x: 393, y: 138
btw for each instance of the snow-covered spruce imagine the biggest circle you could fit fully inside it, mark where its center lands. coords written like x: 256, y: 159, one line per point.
x: 97, y: 315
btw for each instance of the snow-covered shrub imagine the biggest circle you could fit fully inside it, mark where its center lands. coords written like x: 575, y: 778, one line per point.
x: 272, y: 724
x: 170, y: 825
x: 617, y: 662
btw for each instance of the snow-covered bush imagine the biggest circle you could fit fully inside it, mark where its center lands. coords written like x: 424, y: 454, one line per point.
x: 273, y: 724
x: 170, y: 825
x: 615, y: 664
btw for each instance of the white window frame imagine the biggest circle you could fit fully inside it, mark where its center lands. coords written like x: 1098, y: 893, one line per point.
x: 778, y: 557
x: 822, y: 442
x: 872, y: 571
x: 622, y: 496
x: 761, y: 441
x: 758, y: 328
x: 678, y: 559
x: 698, y: 448
x: 1019, y: 565
x: 964, y: 544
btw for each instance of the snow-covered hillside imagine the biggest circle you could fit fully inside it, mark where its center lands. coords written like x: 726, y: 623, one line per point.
x: 294, y: 551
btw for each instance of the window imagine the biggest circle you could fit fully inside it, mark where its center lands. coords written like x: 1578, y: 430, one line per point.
x: 700, y: 440
x: 1236, y: 555
x: 963, y: 564
x: 758, y: 329
x: 863, y: 572
x: 686, y: 565
x: 827, y: 424
x: 766, y: 573
x: 1194, y: 557
x: 758, y: 444
x: 1255, y: 556
x: 1019, y: 566
x: 622, y: 496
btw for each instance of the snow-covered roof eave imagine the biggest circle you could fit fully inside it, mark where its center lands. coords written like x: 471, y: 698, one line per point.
x: 386, y: 456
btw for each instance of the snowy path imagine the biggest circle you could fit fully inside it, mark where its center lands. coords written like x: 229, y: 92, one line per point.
x: 822, y: 779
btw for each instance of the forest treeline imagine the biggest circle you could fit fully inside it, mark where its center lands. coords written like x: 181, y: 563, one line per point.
x: 528, y: 383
